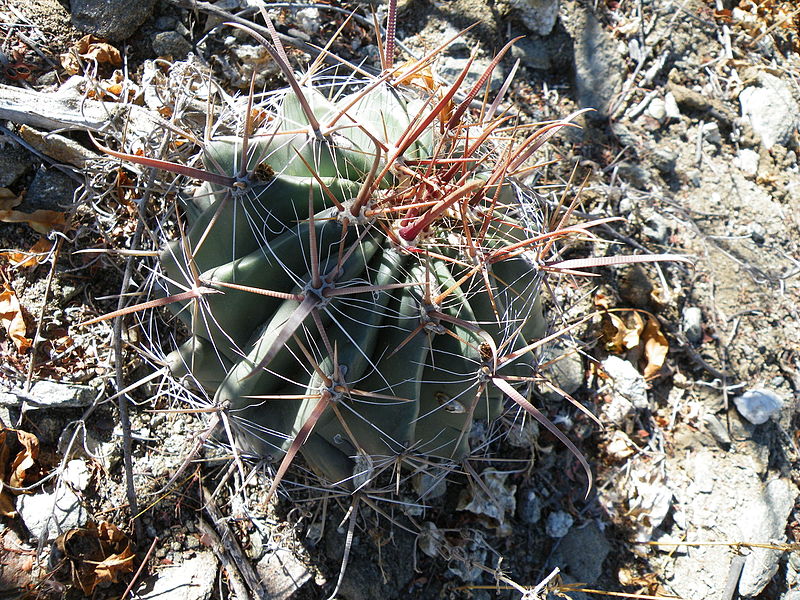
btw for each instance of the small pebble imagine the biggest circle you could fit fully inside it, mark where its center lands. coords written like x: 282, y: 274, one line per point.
x: 558, y: 524
x: 692, y: 319
x: 757, y: 406
x: 717, y: 430
x: 671, y: 106
x: 530, y: 507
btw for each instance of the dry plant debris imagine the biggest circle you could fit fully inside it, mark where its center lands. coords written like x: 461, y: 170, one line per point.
x: 19, y: 466
x: 90, y: 49
x: 635, y: 334
x: 99, y: 553
x: 12, y: 319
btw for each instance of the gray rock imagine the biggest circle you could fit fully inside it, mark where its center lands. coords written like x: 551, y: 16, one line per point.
x: 691, y: 324
x: 50, y: 190
x: 538, y: 15
x: 771, y: 109
x: 711, y: 133
x: 49, y: 394
x: 565, y: 370
x: 717, y: 430
x: 628, y: 383
x: 598, y: 66
x: 758, y: 405
x: 765, y: 521
x: 192, y: 579
x: 308, y: 19
x: 558, y: 524
x: 51, y: 513
x: 14, y: 161
x: 450, y: 68
x: 171, y: 43
x: 529, y: 506
x: 583, y: 551
x: 533, y: 53
x: 664, y: 160
x: 282, y: 573
x: 112, y: 19
x: 657, y: 229
x: 634, y: 174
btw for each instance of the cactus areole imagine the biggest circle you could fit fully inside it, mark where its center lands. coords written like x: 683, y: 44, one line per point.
x: 375, y: 263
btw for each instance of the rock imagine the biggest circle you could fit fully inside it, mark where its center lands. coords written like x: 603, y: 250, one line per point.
x: 502, y: 500
x: 308, y: 20
x: 533, y: 53
x: 48, y: 394
x: 565, y: 369
x: 764, y: 521
x: 14, y: 161
x: 51, y: 513
x: 747, y: 160
x: 711, y: 133
x: 430, y: 486
x: 583, y: 551
x: 634, y: 174
x: 558, y: 524
x: 171, y: 43
x: 112, y: 19
x: 657, y: 109
x: 627, y: 382
x: 657, y: 229
x: 691, y: 324
x: 192, y: 579
x: 671, y: 106
x: 598, y: 66
x: 474, y: 553
x: 282, y: 573
x: 771, y: 109
x: 450, y: 68
x: 50, y: 190
x: 664, y: 160
x: 529, y: 506
x: 717, y: 430
x: 758, y: 405
x: 538, y: 15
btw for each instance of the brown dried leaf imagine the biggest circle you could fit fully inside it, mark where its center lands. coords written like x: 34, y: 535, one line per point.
x: 20, y: 471
x: 31, y: 258
x: 11, y: 318
x: 41, y: 221
x: 115, y: 565
x: 90, y: 48
x: 96, y: 554
x: 25, y: 459
x: 8, y: 199
x: 656, y: 348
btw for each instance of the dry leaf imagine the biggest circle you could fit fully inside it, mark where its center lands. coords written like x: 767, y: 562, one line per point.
x: 19, y: 471
x: 8, y: 199
x: 89, y: 48
x: 25, y: 260
x: 96, y: 554
x: 25, y: 459
x: 11, y: 318
x: 618, y: 335
x: 41, y: 221
x: 655, y: 348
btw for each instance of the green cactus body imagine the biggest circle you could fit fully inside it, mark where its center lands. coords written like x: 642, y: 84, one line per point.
x: 384, y: 314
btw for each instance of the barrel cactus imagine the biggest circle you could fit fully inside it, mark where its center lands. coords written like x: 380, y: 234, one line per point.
x: 360, y: 273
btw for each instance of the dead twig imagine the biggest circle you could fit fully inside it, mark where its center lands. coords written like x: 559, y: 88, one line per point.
x: 230, y: 554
